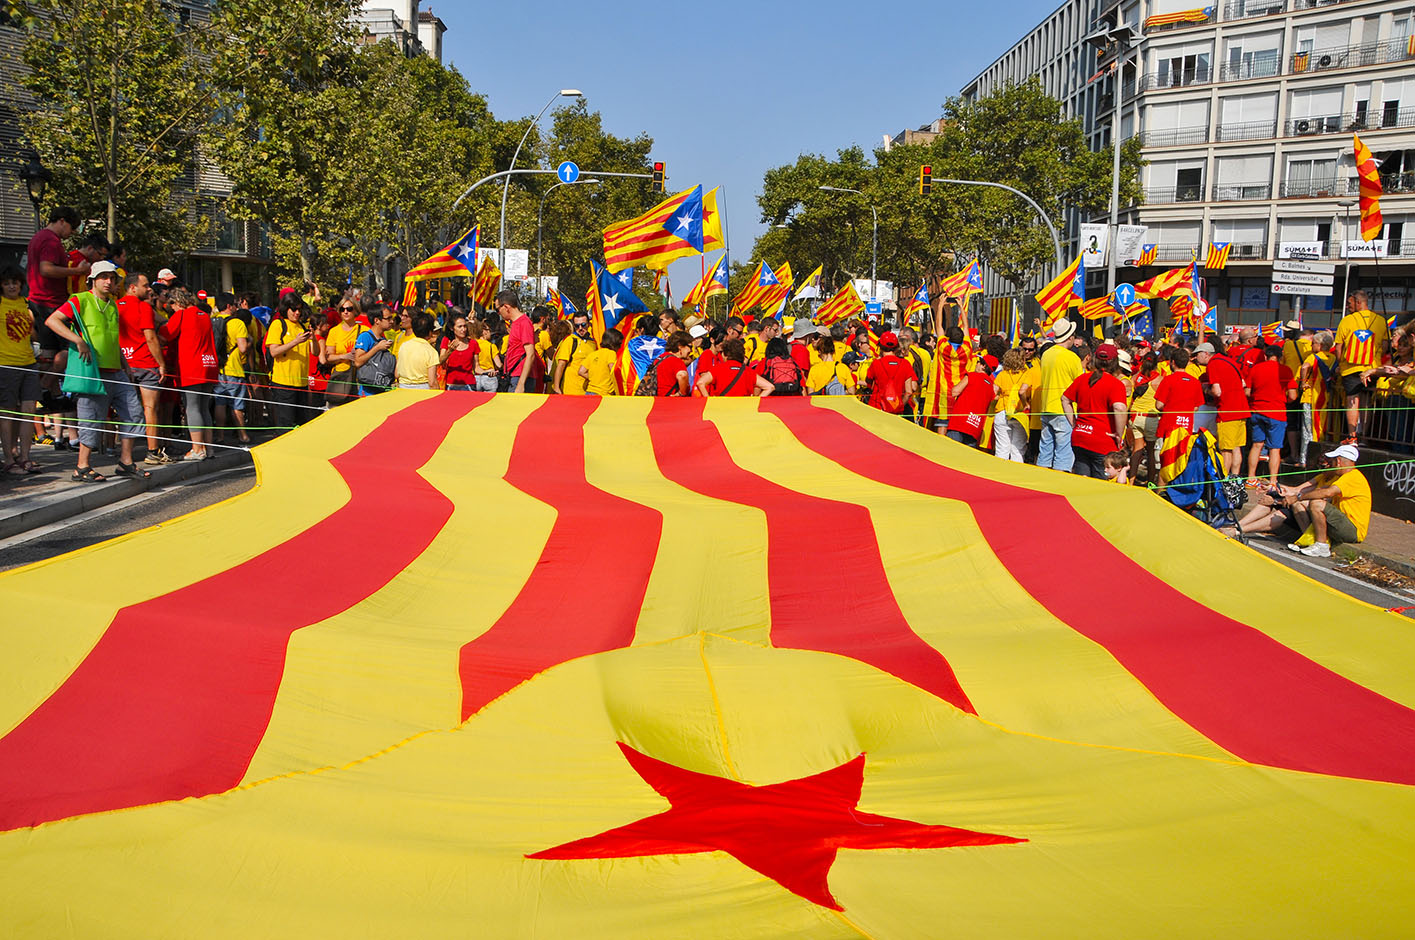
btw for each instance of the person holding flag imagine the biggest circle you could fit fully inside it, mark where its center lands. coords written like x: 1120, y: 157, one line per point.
x: 521, y: 361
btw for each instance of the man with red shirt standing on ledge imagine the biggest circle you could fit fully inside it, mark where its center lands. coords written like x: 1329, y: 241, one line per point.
x: 48, y: 273
x: 1225, y: 381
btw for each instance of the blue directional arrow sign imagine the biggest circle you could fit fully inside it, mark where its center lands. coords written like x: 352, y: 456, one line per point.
x: 1124, y: 295
x: 568, y: 171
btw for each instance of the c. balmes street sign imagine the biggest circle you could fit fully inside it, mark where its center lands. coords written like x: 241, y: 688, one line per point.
x: 1304, y: 267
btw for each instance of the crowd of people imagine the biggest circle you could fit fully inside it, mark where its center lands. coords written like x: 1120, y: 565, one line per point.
x: 96, y: 358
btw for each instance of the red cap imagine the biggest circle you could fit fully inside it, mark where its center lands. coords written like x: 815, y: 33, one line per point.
x: 888, y: 339
x: 286, y: 291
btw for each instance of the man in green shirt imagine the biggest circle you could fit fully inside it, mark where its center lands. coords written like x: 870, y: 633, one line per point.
x: 94, y: 318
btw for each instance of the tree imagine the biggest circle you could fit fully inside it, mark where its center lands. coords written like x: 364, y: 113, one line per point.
x: 117, y: 110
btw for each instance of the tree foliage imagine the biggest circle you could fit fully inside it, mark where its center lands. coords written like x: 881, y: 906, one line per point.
x: 1016, y: 137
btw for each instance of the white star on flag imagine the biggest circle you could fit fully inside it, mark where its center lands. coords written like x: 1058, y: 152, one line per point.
x: 685, y: 220
x: 611, y: 304
x: 464, y: 249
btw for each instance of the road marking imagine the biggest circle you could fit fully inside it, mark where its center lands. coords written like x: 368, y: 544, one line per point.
x: 1287, y: 555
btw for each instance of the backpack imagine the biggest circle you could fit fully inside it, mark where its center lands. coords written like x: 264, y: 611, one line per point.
x: 218, y: 337
x: 378, y: 370
x: 834, y: 386
x: 890, y: 395
x: 648, y: 385
x: 783, y: 372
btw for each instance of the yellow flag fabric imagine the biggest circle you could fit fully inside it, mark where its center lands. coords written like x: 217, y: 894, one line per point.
x: 734, y: 668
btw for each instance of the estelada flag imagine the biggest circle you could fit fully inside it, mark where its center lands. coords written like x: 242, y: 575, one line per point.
x: 1217, y: 258
x: 1369, y: 176
x: 683, y: 755
x: 456, y: 260
x: 1057, y: 296
x: 845, y: 303
x: 681, y: 225
x: 760, y: 286
x: 1148, y: 254
x: 712, y: 284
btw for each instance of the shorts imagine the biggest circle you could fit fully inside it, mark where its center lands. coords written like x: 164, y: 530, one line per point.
x: 48, y: 340
x: 1352, y: 385
x: 18, y: 384
x: 147, y: 378
x: 1151, y: 428
x: 1269, y: 432
x: 231, y: 391
x: 1232, y: 434
x: 1340, y: 528
x: 92, y: 410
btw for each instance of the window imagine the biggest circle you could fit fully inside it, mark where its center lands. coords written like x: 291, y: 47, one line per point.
x: 1244, y: 177
x: 1177, y: 122
x: 1315, y: 111
x: 1249, y: 237
x: 1248, y: 293
x: 1247, y: 117
x: 1310, y: 176
x: 1188, y: 64
x: 1254, y: 56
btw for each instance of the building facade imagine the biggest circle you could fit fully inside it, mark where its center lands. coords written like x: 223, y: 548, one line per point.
x: 1246, y: 113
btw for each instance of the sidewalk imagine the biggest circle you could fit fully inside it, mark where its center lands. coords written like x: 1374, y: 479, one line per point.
x: 1389, y: 542
x: 32, y: 500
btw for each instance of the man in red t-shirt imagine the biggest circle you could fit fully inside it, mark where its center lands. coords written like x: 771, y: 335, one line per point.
x: 1271, y: 386
x: 1179, y: 393
x: 1226, y: 385
x: 137, y: 338
x: 730, y: 376
x: 968, y: 411
x: 520, y: 359
x: 1095, y: 404
x: 91, y: 250
x: 802, y: 332
x: 48, y: 274
x: 891, y: 379
x: 672, y: 379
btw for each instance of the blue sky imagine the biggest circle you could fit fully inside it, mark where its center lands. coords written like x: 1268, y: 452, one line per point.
x: 732, y: 89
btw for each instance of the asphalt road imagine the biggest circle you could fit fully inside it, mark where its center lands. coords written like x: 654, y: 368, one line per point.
x: 170, y: 502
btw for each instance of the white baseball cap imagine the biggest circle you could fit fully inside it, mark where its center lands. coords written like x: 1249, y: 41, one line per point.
x: 1348, y: 451
x: 166, y: 274
x: 100, y: 268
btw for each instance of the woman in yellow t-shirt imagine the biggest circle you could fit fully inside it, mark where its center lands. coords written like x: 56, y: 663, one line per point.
x: 826, y: 369
x: 339, y: 350
x: 1009, y: 420
x: 598, y: 368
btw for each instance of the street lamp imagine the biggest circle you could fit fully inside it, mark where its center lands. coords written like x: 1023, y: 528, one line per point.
x: 506, y: 186
x: 541, y: 212
x: 874, y: 236
x: 36, y: 176
x: 1126, y: 40
x: 1345, y: 236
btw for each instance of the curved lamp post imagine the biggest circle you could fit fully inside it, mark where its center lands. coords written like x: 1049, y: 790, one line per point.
x: 506, y: 187
x: 874, y: 235
x: 541, y: 212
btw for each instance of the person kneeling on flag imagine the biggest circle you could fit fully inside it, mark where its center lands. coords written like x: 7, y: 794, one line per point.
x: 1335, y: 506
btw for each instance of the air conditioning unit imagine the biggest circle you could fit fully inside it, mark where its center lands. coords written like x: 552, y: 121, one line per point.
x: 1303, y: 127
x: 1324, y: 62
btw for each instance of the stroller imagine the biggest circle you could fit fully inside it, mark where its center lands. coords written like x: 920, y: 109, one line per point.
x: 1192, y: 474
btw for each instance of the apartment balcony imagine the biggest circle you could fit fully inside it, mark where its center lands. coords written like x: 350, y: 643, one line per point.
x: 1246, y: 251
x: 1182, y: 78
x: 1179, y: 253
x: 1351, y: 121
x: 1245, y: 9
x: 1243, y: 71
x: 1250, y: 130
x: 1162, y: 195
x: 1174, y: 136
x: 1391, y: 184
x: 1237, y: 192
x: 1351, y: 57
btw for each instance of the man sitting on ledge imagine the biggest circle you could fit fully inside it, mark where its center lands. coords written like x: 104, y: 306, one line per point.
x: 1336, y: 505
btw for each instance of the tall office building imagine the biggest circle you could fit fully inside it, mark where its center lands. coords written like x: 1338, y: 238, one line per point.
x: 1246, y: 113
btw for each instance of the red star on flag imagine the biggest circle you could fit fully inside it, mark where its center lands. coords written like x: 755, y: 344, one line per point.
x: 787, y: 831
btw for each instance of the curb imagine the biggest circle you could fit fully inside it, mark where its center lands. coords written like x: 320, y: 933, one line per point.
x: 83, y: 497
x: 1403, y: 567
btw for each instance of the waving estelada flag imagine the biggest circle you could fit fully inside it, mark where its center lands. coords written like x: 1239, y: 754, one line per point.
x: 552, y: 300
x: 609, y: 301
x: 760, y: 286
x: 681, y: 225
x: 1369, y: 175
x: 567, y: 309
x: 1055, y: 299
x: 486, y: 285
x: 918, y: 303
x: 962, y: 285
x: 1148, y: 254
x: 714, y: 283
x: 846, y: 303
x: 774, y: 300
x: 456, y: 260
x: 679, y: 754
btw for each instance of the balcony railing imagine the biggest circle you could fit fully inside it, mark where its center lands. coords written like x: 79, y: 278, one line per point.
x: 1191, y: 193
x: 1351, y: 121
x: 1251, y: 130
x: 1243, y: 9
x: 1180, y: 78
x: 1241, y: 71
x: 1299, y: 189
x: 1351, y: 57
x: 1174, y: 136
x: 1174, y: 252
x: 1234, y: 192
x: 1246, y: 251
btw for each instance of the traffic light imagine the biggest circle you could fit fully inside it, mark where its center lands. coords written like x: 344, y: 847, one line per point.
x: 658, y: 177
x: 926, y: 179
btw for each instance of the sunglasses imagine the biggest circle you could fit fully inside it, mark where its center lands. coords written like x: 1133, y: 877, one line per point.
x: 346, y: 309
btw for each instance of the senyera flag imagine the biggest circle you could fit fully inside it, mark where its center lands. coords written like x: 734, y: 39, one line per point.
x: 578, y: 687
x: 681, y: 225
x: 487, y: 283
x: 456, y: 260
x: 1369, y: 175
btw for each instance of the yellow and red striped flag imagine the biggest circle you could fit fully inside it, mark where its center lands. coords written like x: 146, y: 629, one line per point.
x: 918, y: 303
x: 1196, y: 15
x: 679, y: 760
x: 775, y: 300
x: 1167, y: 284
x: 455, y: 260
x: 1369, y: 176
x: 1098, y: 308
x: 1217, y: 258
x: 681, y: 225
x: 712, y: 284
x: 760, y: 286
x: 410, y: 294
x: 1148, y: 254
x: 486, y: 285
x: 1056, y: 297
x: 846, y: 303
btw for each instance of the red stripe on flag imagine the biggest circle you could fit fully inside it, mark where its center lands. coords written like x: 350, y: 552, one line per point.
x: 560, y: 613
x: 1237, y: 686
x: 866, y: 623
x: 175, y: 697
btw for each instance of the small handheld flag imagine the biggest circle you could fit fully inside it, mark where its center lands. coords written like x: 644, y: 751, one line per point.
x: 845, y: 304
x: 488, y: 282
x: 1148, y: 254
x: 919, y: 303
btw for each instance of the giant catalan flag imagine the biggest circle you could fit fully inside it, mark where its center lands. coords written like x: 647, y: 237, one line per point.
x: 681, y: 225
x: 602, y: 724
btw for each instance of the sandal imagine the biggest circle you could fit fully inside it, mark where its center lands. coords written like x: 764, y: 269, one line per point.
x: 32, y: 467
x: 12, y: 470
x: 132, y: 470
x: 87, y: 475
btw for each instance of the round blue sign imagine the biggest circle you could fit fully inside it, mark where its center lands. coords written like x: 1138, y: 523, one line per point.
x: 1125, y: 294
x: 568, y: 172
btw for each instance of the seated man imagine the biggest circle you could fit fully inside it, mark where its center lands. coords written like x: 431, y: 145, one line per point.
x: 1336, y: 504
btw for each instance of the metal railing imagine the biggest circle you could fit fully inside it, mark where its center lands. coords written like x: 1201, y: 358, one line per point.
x: 1165, y: 194
x: 1233, y: 192
x: 1174, y: 136
x: 1245, y: 251
x: 1351, y: 57
x: 1244, y: 9
x: 1265, y: 68
x: 1180, y: 78
x: 1250, y: 130
x: 1174, y: 253
x: 1346, y: 186
x: 1367, y: 120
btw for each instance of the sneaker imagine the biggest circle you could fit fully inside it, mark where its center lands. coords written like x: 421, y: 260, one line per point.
x: 157, y: 458
x: 1294, y: 547
x: 1317, y: 550
x: 45, y: 439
